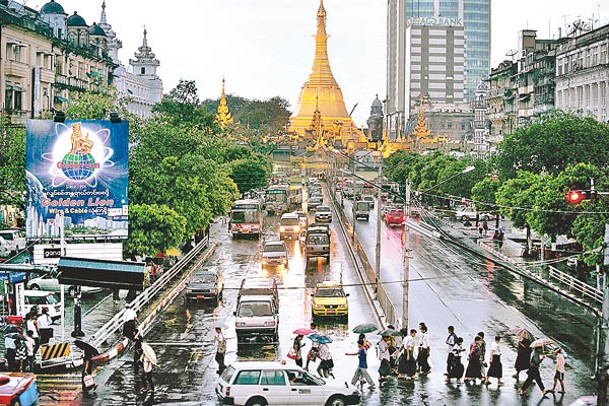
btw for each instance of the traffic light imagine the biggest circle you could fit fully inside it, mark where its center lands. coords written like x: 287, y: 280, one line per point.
x: 578, y: 196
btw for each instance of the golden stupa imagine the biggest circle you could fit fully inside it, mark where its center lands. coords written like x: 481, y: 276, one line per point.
x: 223, y: 117
x: 321, y: 93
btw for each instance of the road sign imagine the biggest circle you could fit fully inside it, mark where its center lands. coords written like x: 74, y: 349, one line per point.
x: 58, y: 350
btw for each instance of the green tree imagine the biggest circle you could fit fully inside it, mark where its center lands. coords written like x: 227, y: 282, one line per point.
x: 251, y: 173
x: 153, y: 229
x: 557, y: 141
x: 12, y: 165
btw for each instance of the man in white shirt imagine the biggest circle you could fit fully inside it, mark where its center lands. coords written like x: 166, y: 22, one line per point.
x: 130, y: 322
x: 384, y: 355
x: 44, y: 326
x: 422, y: 358
x: 9, y: 345
x: 220, y: 342
x: 450, y: 342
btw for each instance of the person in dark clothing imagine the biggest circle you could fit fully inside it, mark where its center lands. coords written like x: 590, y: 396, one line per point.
x: 523, y: 358
x: 473, y: 371
x: 456, y: 367
x: 533, y: 373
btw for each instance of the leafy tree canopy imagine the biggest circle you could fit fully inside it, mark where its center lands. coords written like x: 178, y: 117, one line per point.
x: 153, y: 229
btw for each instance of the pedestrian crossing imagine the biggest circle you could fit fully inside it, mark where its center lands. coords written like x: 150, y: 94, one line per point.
x: 59, y: 389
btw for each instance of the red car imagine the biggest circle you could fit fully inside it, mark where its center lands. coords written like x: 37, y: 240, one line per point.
x: 395, y: 217
x: 18, y: 389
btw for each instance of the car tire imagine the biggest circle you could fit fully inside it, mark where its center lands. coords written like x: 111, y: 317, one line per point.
x: 465, y: 218
x: 34, y: 287
x: 336, y: 400
x: 485, y: 218
x: 257, y: 401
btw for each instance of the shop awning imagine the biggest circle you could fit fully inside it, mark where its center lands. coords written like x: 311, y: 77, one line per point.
x: 100, y: 273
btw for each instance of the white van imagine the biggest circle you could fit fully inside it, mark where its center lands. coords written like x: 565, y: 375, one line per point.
x: 43, y: 299
x: 5, y: 248
x: 14, y: 238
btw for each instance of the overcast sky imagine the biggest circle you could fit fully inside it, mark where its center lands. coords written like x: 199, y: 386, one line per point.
x: 265, y: 47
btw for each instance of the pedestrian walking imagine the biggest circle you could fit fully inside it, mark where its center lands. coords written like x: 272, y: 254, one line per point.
x: 45, y: 328
x: 137, y: 351
x: 559, y: 370
x: 533, y: 373
x: 451, y: 340
x: 367, y: 343
x: 297, y: 348
x: 523, y: 357
x: 30, y: 344
x: 130, y: 322
x: 424, y: 349
x: 362, y: 367
x: 10, y: 347
x: 325, y: 361
x: 147, y: 373
x: 456, y: 368
x: 485, y: 227
x: 480, y: 228
x: 32, y: 325
x: 20, y: 355
x: 88, y: 383
x: 495, y: 369
x: 220, y: 343
x: 483, y: 364
x: 384, y: 356
x: 473, y: 370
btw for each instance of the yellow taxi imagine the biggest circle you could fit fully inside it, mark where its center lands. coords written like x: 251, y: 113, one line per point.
x: 330, y: 300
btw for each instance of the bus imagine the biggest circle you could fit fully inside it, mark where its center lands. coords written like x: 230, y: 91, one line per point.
x: 246, y: 218
x: 295, y: 196
x: 276, y: 198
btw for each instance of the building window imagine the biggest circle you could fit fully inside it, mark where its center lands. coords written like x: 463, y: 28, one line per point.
x: 143, y: 71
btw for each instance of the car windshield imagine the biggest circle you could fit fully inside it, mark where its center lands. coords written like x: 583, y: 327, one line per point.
x: 329, y: 292
x: 41, y: 300
x: 238, y: 217
x: 7, y: 236
x: 205, y: 278
x: 315, y: 200
x: 255, y: 309
x: 321, y: 209
x: 274, y: 248
x: 362, y: 206
x: 395, y: 213
x: 318, y: 239
x: 290, y: 221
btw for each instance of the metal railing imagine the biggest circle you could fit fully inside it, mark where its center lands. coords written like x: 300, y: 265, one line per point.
x: 116, y: 323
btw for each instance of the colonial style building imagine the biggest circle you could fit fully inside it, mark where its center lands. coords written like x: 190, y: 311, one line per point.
x: 46, y: 55
x: 138, y: 83
x: 582, y: 73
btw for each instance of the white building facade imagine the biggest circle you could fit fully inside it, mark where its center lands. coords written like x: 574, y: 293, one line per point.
x: 582, y: 74
x: 137, y: 83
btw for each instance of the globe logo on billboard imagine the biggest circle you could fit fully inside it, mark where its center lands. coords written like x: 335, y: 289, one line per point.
x: 79, y: 164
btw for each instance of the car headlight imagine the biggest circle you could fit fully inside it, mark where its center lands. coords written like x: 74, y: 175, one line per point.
x: 281, y: 229
x: 297, y: 229
x: 239, y: 324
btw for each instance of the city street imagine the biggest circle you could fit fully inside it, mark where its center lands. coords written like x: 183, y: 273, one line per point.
x: 183, y: 335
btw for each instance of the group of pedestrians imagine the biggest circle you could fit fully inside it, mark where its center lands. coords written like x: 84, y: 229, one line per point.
x: 319, y: 351
x: 142, y: 364
x: 21, y: 347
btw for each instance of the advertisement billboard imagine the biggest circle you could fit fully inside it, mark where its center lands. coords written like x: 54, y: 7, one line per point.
x: 76, y: 170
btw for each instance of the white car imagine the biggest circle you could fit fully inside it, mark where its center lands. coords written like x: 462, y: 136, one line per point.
x: 469, y: 213
x: 274, y: 253
x: 272, y: 383
x: 42, y: 299
x: 14, y: 238
x: 48, y: 283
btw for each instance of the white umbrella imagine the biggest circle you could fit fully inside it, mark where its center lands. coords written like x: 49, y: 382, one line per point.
x: 540, y: 342
x: 149, y: 353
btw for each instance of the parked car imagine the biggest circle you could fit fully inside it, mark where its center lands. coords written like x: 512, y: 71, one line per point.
x: 330, y: 300
x: 323, y: 214
x: 395, y: 217
x: 42, y: 299
x: 314, y: 202
x: 50, y: 284
x: 206, y: 284
x: 14, y: 238
x: 274, y: 253
x: 274, y: 383
x: 289, y: 226
x: 17, y: 388
x: 469, y: 213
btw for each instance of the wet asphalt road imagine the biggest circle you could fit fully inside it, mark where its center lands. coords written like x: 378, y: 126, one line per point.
x: 445, y: 289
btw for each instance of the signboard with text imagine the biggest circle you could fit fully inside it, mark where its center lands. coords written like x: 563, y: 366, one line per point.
x: 78, y: 170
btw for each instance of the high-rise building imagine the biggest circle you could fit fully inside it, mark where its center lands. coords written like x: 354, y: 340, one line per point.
x: 474, y: 18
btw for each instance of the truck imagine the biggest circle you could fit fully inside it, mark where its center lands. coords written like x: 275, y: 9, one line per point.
x: 257, y: 311
x: 361, y: 210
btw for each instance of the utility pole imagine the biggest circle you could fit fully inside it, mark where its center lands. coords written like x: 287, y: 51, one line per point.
x: 602, y: 344
x: 406, y: 258
x: 377, y: 262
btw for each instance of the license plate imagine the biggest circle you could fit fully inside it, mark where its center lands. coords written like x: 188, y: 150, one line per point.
x: 331, y: 312
x: 200, y: 297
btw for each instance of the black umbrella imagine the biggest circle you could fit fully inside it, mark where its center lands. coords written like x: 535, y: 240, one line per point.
x: 86, y: 347
x: 365, y: 328
x: 9, y: 328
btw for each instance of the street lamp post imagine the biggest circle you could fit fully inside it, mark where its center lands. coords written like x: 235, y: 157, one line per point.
x: 406, y: 257
x: 377, y: 261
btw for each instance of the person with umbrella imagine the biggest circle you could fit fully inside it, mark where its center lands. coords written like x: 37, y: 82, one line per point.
x: 313, y: 352
x: 523, y: 357
x: 533, y: 372
x: 559, y: 374
x: 88, y: 383
x: 148, y: 360
x: 326, y: 363
x: 297, y: 349
x: 385, y: 367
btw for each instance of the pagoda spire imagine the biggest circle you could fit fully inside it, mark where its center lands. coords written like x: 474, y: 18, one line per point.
x: 102, y: 19
x: 223, y: 117
x: 322, y: 73
x: 421, y: 130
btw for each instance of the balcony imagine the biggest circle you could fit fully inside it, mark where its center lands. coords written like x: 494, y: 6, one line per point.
x: 19, y: 69
x: 47, y: 76
x: 64, y: 82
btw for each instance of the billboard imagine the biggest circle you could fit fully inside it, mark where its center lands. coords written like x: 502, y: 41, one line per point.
x: 76, y: 174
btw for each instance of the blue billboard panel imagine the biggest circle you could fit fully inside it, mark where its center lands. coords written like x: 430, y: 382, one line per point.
x: 76, y: 173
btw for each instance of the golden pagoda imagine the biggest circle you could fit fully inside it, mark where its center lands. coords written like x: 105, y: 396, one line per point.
x: 421, y: 131
x: 223, y: 117
x: 321, y: 92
